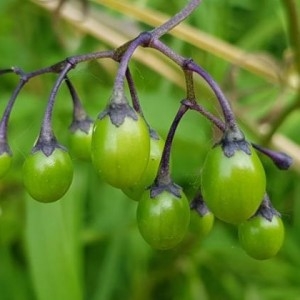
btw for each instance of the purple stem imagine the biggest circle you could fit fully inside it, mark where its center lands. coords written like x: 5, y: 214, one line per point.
x: 174, y: 21
x: 133, y: 93
x: 197, y: 107
x: 8, y: 110
x: 189, y: 65
x: 142, y: 39
x: 145, y: 38
x: 46, y: 134
x: 63, y: 66
x: 163, y: 175
x: 225, y: 106
x: 78, y: 110
x: 167, y: 51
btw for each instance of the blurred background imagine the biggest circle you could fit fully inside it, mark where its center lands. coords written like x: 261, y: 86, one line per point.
x: 87, y: 245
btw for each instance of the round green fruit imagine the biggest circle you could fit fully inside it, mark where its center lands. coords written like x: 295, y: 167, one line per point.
x: 47, y: 178
x: 233, y: 187
x: 120, y: 153
x: 163, y: 220
x: 261, y: 238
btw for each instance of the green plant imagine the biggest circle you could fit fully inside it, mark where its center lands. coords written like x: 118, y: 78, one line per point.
x: 120, y: 143
x: 233, y: 187
x: 163, y: 219
x: 90, y: 237
x: 48, y: 177
x: 262, y: 235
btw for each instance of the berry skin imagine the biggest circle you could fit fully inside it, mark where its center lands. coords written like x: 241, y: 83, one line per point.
x: 5, y: 163
x: 202, y: 219
x: 202, y: 225
x: 120, y: 153
x: 156, y: 148
x: 47, y: 178
x: 80, y: 144
x: 233, y: 187
x: 261, y: 238
x: 163, y: 220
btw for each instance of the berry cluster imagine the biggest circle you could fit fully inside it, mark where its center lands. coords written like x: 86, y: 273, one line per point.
x: 130, y: 155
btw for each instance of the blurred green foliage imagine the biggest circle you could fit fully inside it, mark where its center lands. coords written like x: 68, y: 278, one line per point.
x: 87, y: 245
